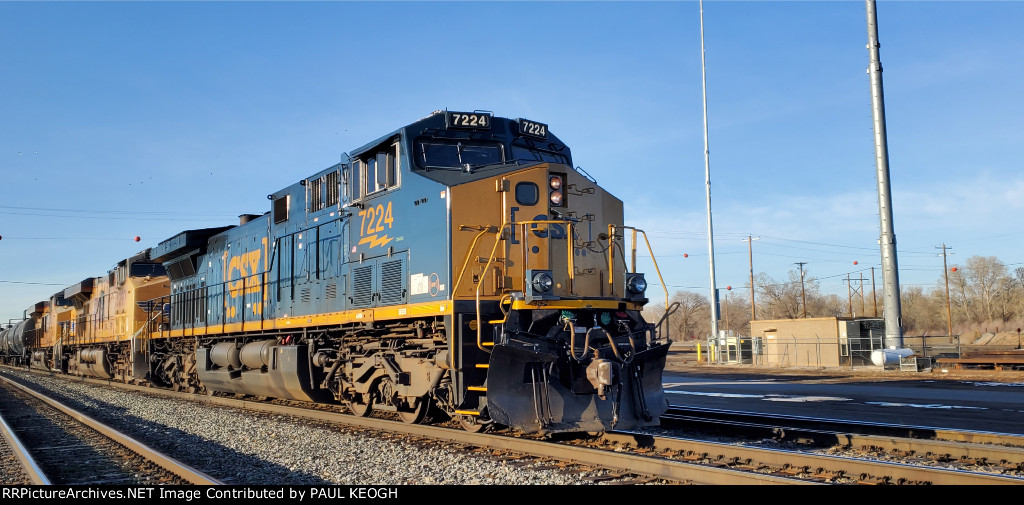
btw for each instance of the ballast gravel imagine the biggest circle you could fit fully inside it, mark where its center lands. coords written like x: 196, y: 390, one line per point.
x: 241, y: 447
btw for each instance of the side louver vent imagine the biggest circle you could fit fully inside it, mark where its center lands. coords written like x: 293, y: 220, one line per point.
x: 362, y: 286
x: 391, y: 289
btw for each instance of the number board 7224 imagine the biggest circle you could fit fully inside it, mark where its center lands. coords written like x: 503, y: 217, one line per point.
x: 471, y: 120
x: 533, y: 128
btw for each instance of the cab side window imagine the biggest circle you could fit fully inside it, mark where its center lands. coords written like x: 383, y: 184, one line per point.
x: 379, y: 171
x: 354, y: 181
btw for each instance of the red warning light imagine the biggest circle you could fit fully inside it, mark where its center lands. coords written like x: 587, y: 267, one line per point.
x: 728, y: 288
x: 686, y: 255
x: 137, y: 239
x: 854, y: 262
x: 953, y: 269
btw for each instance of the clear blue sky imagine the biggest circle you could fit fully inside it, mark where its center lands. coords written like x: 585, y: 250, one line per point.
x: 136, y: 118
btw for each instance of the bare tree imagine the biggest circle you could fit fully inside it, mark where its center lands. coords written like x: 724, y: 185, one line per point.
x: 923, y: 313
x: 828, y: 306
x: 959, y: 296
x: 985, y: 278
x: 784, y: 300
x: 690, y: 321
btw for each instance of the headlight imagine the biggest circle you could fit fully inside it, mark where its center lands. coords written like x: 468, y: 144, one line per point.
x: 556, y: 198
x: 555, y: 182
x: 542, y: 282
x: 637, y: 284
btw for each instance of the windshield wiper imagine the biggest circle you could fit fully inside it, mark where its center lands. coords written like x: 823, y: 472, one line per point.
x: 497, y: 164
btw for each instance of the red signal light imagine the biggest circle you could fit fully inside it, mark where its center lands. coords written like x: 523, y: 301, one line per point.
x: 686, y: 255
x: 953, y: 269
x: 728, y: 288
x: 854, y: 262
x: 137, y: 239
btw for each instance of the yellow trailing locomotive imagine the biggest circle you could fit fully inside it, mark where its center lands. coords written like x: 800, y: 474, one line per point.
x: 458, y: 266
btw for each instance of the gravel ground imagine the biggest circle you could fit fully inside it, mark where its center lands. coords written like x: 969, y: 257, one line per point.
x: 11, y: 472
x: 241, y: 448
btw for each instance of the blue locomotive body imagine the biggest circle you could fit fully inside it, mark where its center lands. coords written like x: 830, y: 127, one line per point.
x: 452, y: 263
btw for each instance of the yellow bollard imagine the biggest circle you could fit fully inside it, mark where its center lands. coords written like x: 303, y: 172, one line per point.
x: 698, y: 354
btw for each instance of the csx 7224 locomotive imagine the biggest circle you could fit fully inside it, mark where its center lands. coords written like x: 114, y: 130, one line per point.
x: 459, y: 266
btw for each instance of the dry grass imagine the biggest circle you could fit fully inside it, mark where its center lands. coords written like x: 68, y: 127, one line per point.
x: 992, y: 333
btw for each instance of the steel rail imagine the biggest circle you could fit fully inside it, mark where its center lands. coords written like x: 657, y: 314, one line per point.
x: 28, y: 464
x: 678, y: 471
x: 860, y: 469
x: 631, y: 463
x: 187, y: 473
x: 938, y: 450
x: 777, y: 461
x: 856, y: 427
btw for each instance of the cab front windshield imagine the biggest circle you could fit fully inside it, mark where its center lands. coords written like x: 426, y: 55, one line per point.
x: 434, y: 154
x: 466, y: 155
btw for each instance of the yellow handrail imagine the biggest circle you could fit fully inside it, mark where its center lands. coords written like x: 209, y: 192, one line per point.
x: 611, y: 256
x: 570, y: 250
x: 469, y: 253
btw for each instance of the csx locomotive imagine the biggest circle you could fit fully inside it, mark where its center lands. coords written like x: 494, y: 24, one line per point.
x: 458, y: 266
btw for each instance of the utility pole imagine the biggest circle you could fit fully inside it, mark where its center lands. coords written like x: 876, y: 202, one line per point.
x: 725, y: 309
x: 887, y: 238
x: 862, y: 294
x: 855, y: 292
x: 849, y: 296
x: 803, y: 296
x: 945, y: 273
x: 874, y: 301
x: 750, y: 253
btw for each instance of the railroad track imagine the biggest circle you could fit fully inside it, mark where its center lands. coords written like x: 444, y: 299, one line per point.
x: 17, y: 465
x: 625, y: 457
x: 825, y: 469
x: 605, y: 465
x: 56, y: 444
x: 963, y: 449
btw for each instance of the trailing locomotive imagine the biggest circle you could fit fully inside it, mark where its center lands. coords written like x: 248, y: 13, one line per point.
x: 458, y: 266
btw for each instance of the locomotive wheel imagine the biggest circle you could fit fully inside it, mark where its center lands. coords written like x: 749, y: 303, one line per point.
x: 416, y: 414
x: 470, y: 424
x: 358, y: 408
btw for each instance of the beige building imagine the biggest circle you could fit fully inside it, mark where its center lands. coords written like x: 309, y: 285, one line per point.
x: 816, y: 342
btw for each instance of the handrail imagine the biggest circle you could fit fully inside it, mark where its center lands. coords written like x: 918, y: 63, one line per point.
x: 611, y: 257
x: 134, y: 338
x: 570, y: 250
x: 469, y: 253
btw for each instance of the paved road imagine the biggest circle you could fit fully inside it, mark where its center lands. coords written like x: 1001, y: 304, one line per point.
x: 941, y: 403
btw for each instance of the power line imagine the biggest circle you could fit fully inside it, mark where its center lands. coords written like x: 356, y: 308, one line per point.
x: 32, y: 283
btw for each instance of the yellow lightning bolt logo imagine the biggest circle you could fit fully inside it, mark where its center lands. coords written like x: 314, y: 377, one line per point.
x: 376, y: 242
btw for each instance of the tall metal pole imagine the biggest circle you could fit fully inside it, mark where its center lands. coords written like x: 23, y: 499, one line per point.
x: 949, y: 313
x: 803, y: 296
x: 887, y: 240
x: 707, y: 182
x: 750, y: 253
